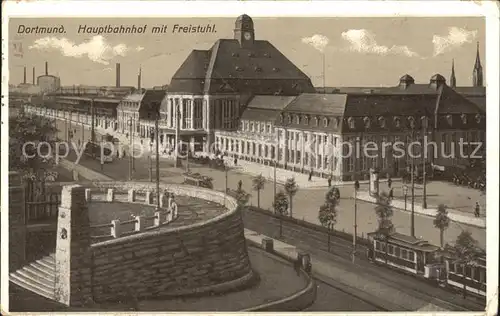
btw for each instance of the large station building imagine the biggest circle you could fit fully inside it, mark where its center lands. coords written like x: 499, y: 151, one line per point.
x: 243, y: 97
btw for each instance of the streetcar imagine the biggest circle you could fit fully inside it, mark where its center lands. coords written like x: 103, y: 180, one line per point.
x: 93, y: 150
x: 420, y: 258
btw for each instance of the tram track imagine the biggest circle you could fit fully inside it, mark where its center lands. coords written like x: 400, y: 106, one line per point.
x: 315, y: 242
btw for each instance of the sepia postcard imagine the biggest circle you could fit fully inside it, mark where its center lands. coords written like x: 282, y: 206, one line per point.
x: 249, y: 157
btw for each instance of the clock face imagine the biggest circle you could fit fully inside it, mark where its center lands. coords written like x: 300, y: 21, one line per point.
x: 247, y: 36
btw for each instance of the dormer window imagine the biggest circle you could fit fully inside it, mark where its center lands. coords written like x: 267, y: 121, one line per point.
x: 267, y: 55
x: 281, y: 118
x: 381, y: 122
x: 289, y: 119
x: 235, y: 55
x: 367, y: 122
x: 335, y: 122
x: 425, y: 121
x: 258, y: 69
x: 351, y: 123
x: 411, y: 122
x: 238, y: 68
x: 306, y: 120
x: 297, y: 119
x: 464, y: 118
x: 397, y: 121
x: 325, y: 122
x: 276, y: 69
x: 449, y: 119
x: 478, y: 118
x: 250, y: 54
x: 316, y: 121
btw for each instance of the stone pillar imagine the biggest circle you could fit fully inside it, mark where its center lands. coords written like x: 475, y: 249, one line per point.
x: 73, y: 258
x: 17, y: 225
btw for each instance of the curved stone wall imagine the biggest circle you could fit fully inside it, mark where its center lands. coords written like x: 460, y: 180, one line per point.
x: 208, y: 256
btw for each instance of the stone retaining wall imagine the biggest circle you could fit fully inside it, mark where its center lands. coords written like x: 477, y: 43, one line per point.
x: 208, y: 256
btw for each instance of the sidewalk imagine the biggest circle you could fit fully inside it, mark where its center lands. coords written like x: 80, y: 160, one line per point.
x: 454, y: 215
x: 357, y: 284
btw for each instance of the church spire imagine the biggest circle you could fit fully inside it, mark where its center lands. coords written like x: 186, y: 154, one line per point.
x: 477, y: 73
x: 453, y: 80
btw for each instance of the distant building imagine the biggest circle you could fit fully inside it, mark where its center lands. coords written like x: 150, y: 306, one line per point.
x: 48, y: 83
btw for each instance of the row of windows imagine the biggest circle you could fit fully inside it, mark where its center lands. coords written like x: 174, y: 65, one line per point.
x: 368, y: 122
x: 396, y: 251
x: 475, y: 273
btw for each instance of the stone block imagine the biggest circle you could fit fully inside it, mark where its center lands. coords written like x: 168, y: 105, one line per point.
x: 110, y: 197
x: 140, y: 223
x: 115, y: 229
x: 268, y: 244
x: 131, y: 195
x: 88, y: 195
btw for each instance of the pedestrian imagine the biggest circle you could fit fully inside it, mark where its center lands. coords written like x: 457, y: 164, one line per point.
x: 235, y: 161
x: 476, y: 210
x: 329, y: 181
x: 310, y: 175
x: 391, y: 193
x: 240, y: 185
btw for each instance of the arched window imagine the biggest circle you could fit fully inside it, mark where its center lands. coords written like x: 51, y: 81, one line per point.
x: 464, y: 118
x: 397, y: 121
x: 297, y: 119
x: 281, y: 118
x: 306, y: 120
x: 478, y: 118
x: 325, y: 122
x: 449, y: 119
x: 316, y: 121
x: 411, y: 122
x: 351, y: 123
x: 381, y: 121
x: 367, y: 122
x: 289, y: 119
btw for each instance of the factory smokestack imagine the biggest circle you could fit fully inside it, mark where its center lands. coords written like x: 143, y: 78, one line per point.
x: 33, y: 75
x: 139, y: 80
x: 24, y: 81
x: 46, y: 68
x: 118, y: 74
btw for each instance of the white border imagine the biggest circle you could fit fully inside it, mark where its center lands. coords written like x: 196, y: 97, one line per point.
x: 487, y: 9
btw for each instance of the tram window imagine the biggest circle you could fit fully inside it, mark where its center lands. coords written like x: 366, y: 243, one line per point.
x: 397, y: 251
x: 452, y: 267
x: 482, y: 275
x: 404, y: 254
x: 468, y: 272
x: 475, y: 273
x: 411, y: 255
x: 390, y: 249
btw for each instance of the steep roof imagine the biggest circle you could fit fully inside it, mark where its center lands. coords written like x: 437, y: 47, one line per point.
x: 312, y: 103
x: 265, y: 107
x: 150, y: 103
x: 227, y: 67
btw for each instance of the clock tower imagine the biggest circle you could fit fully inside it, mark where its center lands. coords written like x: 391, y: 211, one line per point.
x: 243, y: 30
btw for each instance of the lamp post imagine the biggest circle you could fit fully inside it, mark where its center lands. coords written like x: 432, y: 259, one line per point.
x: 355, y: 235
x: 424, y: 160
x: 226, y: 175
x: 405, y: 194
x: 157, y: 135
x: 130, y: 151
x: 412, y: 170
x: 150, y: 160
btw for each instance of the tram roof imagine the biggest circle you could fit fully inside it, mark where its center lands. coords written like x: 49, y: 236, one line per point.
x: 408, y: 242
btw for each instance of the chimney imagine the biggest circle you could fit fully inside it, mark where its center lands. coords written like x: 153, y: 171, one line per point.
x: 24, y: 81
x: 33, y: 75
x: 46, y: 68
x: 139, y: 80
x: 117, y: 74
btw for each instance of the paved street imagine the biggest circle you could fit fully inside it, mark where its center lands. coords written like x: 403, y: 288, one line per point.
x: 305, y: 204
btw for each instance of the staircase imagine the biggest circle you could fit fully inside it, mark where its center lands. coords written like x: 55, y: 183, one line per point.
x: 37, y: 277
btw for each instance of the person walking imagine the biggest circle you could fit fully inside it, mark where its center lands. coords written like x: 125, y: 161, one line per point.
x: 329, y: 181
x: 235, y: 161
x: 477, y: 210
x: 310, y: 175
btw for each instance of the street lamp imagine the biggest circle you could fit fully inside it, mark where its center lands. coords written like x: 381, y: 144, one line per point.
x: 131, y: 150
x: 226, y: 175
x: 157, y: 135
x: 424, y: 158
x: 355, y: 235
x: 405, y: 193
x: 150, y: 161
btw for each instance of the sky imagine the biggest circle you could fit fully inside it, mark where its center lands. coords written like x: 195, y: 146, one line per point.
x: 357, y: 51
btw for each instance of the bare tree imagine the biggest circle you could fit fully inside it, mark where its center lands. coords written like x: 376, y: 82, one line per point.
x: 258, y: 183
x: 280, y: 206
x: 328, y: 212
x: 441, y: 222
x: 384, y: 212
x: 291, y: 189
